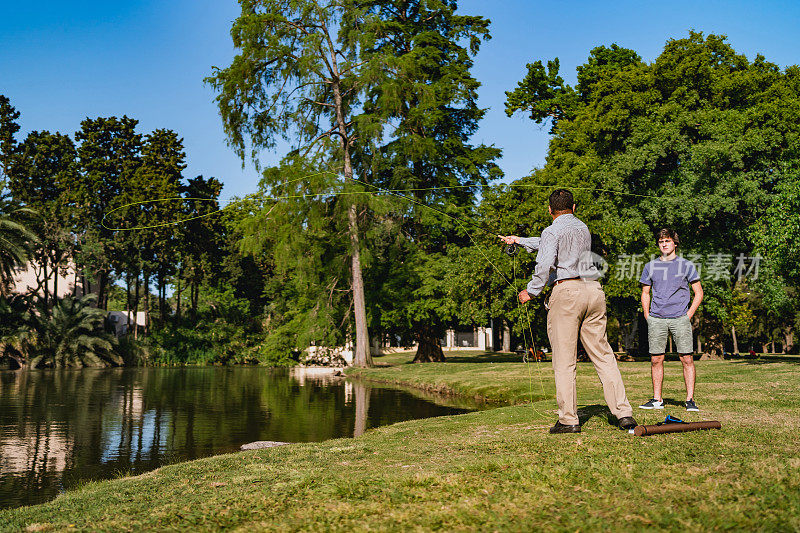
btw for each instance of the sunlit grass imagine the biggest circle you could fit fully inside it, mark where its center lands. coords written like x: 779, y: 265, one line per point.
x: 496, y: 469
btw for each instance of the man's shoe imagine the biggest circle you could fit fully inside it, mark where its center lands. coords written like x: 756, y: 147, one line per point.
x: 652, y: 404
x: 564, y: 428
x: 691, y: 406
x: 627, y: 422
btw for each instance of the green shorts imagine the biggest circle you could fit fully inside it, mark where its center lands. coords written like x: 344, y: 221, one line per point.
x: 681, y: 329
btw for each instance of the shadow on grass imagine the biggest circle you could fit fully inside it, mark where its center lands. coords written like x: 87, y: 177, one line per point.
x: 485, y: 358
x: 590, y: 411
x: 768, y: 359
x: 673, y: 401
x: 480, y: 357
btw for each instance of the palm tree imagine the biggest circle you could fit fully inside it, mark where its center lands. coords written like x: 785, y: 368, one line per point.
x: 14, y: 320
x: 73, y: 335
x: 15, y: 240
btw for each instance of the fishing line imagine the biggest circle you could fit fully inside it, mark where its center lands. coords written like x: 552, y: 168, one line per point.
x: 395, y: 192
x: 398, y: 193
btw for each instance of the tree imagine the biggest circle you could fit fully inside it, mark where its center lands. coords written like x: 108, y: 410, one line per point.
x: 8, y: 129
x: 699, y: 140
x: 73, y: 335
x: 16, y: 238
x: 153, y: 249
x: 201, y: 235
x: 426, y: 92
x: 108, y: 155
x: 41, y: 178
x: 294, y: 78
x: 309, y: 303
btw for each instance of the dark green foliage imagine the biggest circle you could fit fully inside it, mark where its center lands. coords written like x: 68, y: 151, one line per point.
x: 699, y: 140
x: 16, y: 237
x: 109, y: 156
x: 72, y: 335
x: 302, y: 242
x: 8, y: 144
x: 426, y: 92
x: 42, y: 178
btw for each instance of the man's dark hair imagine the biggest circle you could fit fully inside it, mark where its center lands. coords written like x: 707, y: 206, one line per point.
x: 561, y: 200
x: 668, y: 233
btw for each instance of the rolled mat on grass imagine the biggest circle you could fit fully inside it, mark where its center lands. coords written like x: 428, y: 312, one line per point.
x: 641, y: 431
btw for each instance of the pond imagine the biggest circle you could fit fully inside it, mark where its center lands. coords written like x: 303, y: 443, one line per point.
x: 61, y: 428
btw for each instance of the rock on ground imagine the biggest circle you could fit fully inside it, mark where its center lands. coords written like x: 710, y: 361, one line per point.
x: 260, y: 444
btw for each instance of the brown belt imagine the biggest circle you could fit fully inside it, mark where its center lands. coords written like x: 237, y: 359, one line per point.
x: 566, y: 279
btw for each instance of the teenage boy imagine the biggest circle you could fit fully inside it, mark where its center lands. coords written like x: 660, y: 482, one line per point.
x: 667, y: 280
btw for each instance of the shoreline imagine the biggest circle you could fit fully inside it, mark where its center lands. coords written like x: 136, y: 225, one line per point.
x: 494, y: 469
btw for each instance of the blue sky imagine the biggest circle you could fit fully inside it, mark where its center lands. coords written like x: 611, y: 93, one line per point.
x: 61, y: 62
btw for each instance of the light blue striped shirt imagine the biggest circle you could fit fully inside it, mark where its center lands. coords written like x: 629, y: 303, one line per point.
x: 565, y: 251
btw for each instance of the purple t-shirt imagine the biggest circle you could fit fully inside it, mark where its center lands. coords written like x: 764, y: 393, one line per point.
x: 670, y: 286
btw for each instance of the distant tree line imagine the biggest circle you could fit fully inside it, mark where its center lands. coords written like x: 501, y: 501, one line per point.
x: 58, y: 198
x: 366, y: 230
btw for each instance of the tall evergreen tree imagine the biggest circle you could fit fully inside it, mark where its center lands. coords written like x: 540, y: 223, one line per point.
x: 8, y: 129
x: 155, y: 248
x: 428, y: 95
x: 42, y: 176
x: 294, y: 78
x: 109, y: 155
x: 201, y: 236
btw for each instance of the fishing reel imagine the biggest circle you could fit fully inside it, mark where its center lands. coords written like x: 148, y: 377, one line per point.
x: 511, y: 249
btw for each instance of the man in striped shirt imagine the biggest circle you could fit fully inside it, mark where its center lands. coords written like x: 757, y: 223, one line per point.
x: 577, y: 307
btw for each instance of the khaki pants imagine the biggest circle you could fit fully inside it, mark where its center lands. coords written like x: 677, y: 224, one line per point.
x: 579, y: 307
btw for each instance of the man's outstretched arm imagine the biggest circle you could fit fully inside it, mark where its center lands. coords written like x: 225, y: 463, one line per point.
x: 545, y: 261
x: 531, y: 244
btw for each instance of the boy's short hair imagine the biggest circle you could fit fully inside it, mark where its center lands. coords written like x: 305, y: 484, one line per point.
x: 561, y: 200
x: 668, y: 233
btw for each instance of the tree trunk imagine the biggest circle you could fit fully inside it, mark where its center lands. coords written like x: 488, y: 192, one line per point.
x: 735, y: 341
x: 178, y: 296
x: 55, y: 277
x: 101, y: 290
x: 428, y: 350
x: 128, y: 299
x: 146, y: 303
x: 75, y: 283
x: 362, y: 356
x: 136, y: 309
x: 159, y: 301
x: 788, y: 337
x: 772, y: 346
x: 46, y: 289
x: 506, y: 336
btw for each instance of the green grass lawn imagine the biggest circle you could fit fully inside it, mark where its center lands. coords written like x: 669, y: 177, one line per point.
x: 495, y: 469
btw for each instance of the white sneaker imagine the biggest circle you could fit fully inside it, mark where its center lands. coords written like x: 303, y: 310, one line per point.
x: 652, y: 404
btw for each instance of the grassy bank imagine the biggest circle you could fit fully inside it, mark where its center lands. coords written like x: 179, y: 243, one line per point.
x: 493, y: 469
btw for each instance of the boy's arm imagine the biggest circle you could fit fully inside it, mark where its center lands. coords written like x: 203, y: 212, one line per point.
x: 698, y: 297
x: 646, y: 301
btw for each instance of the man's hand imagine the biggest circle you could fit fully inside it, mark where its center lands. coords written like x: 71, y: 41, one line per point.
x: 690, y: 314
x: 524, y: 296
x: 510, y: 239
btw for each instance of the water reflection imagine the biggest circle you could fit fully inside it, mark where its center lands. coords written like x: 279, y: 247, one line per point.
x: 59, y: 428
